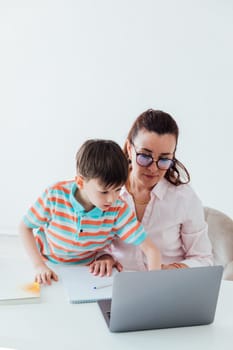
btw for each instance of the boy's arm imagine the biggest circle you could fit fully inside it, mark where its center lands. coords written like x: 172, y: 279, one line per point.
x: 152, y: 254
x: 43, y: 273
x: 30, y: 245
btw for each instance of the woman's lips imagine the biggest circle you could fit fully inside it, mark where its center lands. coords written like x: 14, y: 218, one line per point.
x: 149, y: 176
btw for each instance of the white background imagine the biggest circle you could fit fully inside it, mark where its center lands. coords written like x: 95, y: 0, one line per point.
x: 71, y: 70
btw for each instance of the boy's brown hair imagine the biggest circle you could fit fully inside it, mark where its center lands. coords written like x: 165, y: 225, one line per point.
x: 103, y: 160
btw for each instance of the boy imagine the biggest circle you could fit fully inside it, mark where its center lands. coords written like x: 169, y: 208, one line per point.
x: 73, y: 220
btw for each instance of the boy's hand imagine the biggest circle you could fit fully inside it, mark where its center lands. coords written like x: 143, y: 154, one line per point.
x: 44, y: 275
x: 103, y: 266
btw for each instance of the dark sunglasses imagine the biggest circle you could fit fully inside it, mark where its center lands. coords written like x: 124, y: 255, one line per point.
x: 146, y: 160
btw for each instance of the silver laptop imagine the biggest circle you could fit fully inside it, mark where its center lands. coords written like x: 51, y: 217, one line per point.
x: 162, y: 299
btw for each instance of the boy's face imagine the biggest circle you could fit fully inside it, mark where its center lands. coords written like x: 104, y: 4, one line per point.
x: 98, y: 195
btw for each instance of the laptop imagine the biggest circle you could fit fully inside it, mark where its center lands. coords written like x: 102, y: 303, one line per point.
x: 162, y: 299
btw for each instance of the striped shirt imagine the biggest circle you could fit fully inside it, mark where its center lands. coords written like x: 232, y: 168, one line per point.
x: 66, y: 233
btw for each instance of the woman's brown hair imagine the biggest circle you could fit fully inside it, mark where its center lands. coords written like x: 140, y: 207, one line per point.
x: 160, y: 123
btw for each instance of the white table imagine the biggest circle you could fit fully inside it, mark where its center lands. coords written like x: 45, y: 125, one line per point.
x: 56, y: 324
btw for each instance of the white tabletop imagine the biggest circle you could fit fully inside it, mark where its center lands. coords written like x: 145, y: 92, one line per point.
x: 56, y: 324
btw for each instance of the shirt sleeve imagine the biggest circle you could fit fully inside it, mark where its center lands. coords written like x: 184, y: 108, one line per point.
x: 194, y: 235
x: 127, y: 227
x: 40, y: 213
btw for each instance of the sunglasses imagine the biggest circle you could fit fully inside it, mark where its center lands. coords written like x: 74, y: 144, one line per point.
x: 146, y: 160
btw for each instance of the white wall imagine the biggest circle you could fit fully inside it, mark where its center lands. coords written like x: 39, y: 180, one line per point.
x: 71, y: 70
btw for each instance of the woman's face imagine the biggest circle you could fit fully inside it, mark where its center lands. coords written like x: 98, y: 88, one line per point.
x: 155, y: 145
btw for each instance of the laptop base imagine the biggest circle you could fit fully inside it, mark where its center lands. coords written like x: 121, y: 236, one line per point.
x: 105, y: 307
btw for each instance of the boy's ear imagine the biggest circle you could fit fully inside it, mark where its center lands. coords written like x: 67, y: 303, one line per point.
x: 79, y: 181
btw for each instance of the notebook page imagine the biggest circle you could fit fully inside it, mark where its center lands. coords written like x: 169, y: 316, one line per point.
x: 83, y: 287
x: 17, y: 282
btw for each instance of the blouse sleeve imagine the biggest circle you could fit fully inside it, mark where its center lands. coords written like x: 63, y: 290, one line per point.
x: 194, y: 235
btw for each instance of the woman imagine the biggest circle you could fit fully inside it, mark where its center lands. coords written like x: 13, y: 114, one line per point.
x: 166, y: 205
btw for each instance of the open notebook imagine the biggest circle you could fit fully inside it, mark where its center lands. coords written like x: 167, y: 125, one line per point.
x: 17, y: 282
x: 83, y: 287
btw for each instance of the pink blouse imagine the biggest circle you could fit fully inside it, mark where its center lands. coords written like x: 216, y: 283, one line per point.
x: 174, y: 219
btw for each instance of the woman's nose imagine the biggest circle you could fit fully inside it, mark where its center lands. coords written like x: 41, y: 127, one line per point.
x: 153, y: 165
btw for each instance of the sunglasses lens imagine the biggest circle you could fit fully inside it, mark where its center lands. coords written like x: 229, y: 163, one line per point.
x: 144, y: 160
x: 164, y: 163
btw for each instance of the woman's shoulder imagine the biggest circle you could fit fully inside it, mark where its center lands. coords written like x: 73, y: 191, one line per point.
x: 184, y: 191
x: 182, y: 200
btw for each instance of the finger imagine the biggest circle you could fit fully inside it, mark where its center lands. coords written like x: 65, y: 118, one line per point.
x: 180, y: 265
x: 177, y: 265
x: 118, y: 266
x: 91, y: 267
x: 43, y: 278
x: 54, y: 276
x: 46, y: 277
x: 96, y: 268
x: 183, y: 266
x: 102, y: 268
x: 172, y: 267
x: 38, y: 279
x: 108, y: 268
x: 168, y: 267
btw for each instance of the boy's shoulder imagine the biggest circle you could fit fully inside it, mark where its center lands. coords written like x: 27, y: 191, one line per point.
x: 121, y: 203
x: 64, y: 186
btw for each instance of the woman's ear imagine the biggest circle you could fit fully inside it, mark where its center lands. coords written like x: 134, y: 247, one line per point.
x: 79, y: 181
x: 128, y: 148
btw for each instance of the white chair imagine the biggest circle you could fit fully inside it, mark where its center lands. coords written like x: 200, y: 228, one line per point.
x: 220, y: 229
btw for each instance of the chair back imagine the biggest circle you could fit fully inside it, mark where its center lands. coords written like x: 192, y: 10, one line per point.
x: 220, y: 230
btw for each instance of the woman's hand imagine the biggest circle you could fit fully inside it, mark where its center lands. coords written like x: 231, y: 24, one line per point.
x: 103, y: 266
x: 173, y: 266
x: 44, y: 275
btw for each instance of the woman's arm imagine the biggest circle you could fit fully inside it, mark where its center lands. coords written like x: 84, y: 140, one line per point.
x: 152, y: 254
x: 194, y: 236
